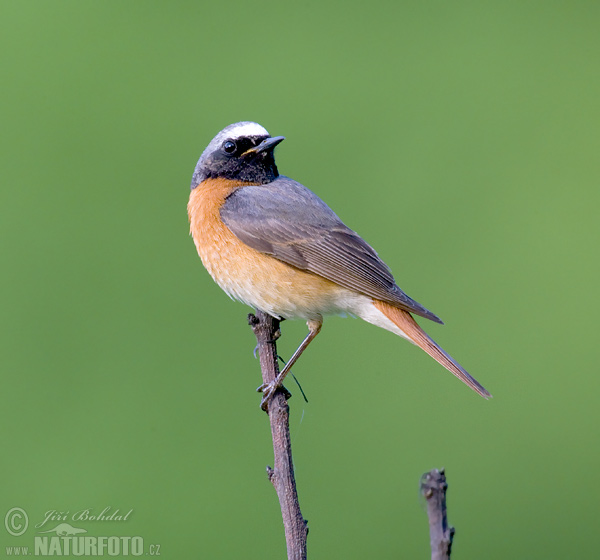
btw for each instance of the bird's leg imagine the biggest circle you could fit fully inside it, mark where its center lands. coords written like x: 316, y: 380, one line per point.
x: 268, y: 389
x: 286, y: 392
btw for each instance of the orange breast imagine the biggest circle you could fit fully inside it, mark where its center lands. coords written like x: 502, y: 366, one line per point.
x: 252, y: 277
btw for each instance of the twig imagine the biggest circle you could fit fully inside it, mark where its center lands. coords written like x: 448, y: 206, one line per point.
x: 433, y: 487
x: 266, y: 330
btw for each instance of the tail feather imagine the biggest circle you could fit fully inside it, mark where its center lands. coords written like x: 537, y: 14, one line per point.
x: 405, y: 322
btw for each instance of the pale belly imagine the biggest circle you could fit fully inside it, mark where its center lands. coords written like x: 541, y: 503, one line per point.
x: 265, y: 283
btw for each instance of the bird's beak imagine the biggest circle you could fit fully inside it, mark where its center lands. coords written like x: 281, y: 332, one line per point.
x: 267, y: 144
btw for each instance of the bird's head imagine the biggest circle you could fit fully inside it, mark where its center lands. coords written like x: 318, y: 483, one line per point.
x: 243, y: 152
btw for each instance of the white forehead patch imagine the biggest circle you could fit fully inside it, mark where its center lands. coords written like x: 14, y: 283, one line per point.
x: 240, y: 129
x: 236, y: 130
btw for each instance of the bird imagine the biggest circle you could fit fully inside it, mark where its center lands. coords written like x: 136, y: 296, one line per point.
x: 271, y: 243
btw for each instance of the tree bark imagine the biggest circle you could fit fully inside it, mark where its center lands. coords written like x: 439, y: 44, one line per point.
x: 433, y: 487
x: 266, y: 330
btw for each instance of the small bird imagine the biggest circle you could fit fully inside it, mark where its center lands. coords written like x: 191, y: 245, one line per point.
x: 271, y: 243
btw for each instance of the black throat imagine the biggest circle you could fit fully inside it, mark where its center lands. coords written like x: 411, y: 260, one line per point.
x: 255, y: 168
x: 243, y: 164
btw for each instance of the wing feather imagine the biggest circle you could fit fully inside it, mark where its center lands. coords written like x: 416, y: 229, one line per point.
x: 288, y: 221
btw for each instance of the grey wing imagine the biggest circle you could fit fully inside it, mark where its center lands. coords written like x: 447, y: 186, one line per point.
x: 286, y: 220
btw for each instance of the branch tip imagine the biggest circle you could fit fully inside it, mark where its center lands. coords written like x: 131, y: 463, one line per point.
x: 433, y: 488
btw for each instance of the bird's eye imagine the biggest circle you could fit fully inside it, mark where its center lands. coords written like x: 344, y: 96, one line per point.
x: 229, y: 147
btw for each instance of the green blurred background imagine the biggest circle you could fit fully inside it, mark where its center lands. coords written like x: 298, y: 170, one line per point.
x: 460, y: 139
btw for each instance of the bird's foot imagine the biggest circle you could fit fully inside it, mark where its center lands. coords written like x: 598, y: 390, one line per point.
x: 268, y: 390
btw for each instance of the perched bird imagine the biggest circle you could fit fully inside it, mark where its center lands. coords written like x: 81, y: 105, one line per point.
x: 273, y: 244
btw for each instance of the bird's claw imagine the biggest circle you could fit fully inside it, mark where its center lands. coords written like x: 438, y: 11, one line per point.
x: 268, y: 390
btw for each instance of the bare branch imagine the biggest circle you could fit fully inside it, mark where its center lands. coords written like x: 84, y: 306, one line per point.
x: 433, y: 487
x: 266, y: 330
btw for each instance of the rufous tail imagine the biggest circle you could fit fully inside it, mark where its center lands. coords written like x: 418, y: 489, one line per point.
x: 405, y: 322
